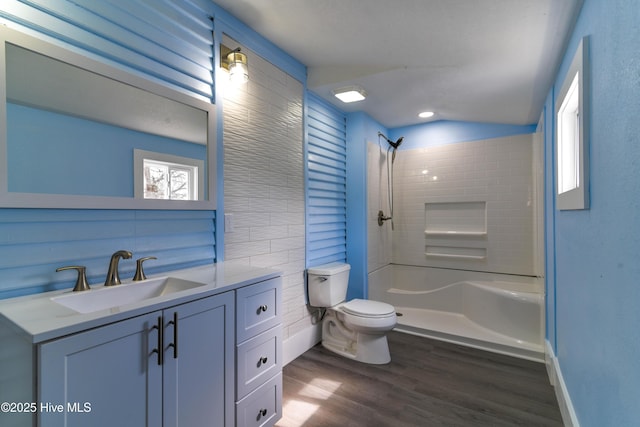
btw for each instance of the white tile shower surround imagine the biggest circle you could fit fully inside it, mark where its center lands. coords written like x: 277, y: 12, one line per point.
x: 495, y: 171
x: 264, y: 181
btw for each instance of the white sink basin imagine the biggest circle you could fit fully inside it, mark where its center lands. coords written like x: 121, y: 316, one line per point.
x: 119, y: 295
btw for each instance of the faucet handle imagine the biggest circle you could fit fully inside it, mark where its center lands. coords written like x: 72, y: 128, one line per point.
x: 139, y: 270
x: 81, y: 282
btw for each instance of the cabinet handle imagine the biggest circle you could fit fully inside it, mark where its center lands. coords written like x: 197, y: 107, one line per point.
x: 262, y: 308
x: 261, y: 413
x: 160, y: 349
x: 262, y: 361
x: 174, y: 344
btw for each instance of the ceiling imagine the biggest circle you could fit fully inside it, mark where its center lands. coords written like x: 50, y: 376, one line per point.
x: 490, y: 61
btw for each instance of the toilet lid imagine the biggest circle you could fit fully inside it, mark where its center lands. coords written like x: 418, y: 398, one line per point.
x: 368, y: 308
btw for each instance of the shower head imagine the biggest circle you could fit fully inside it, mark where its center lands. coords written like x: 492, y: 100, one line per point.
x: 396, y: 144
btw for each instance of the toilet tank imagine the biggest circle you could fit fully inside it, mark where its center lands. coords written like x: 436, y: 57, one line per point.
x: 327, y: 284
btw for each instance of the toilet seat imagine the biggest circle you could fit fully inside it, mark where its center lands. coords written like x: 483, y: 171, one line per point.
x: 372, y: 317
x: 367, y: 308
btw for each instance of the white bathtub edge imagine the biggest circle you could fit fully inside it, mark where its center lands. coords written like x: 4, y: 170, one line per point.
x: 507, y: 350
x: 569, y: 417
x: 531, y: 297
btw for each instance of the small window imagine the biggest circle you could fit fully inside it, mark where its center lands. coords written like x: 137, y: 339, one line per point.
x: 569, y: 140
x: 167, y: 177
x: 572, y: 160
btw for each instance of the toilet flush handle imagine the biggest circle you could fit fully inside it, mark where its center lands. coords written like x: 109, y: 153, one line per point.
x: 323, y: 278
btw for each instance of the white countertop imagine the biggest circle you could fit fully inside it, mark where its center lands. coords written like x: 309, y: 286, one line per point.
x: 39, y: 318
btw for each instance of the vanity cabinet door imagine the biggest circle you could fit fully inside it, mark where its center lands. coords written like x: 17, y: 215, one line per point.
x: 108, y: 376
x: 199, y: 363
x: 114, y: 376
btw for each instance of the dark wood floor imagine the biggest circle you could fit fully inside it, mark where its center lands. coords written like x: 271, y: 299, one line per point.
x: 427, y: 383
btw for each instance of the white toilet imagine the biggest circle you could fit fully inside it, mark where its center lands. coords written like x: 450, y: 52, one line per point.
x: 356, y: 329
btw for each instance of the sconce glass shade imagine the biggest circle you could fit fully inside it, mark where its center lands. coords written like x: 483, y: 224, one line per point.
x: 238, y: 69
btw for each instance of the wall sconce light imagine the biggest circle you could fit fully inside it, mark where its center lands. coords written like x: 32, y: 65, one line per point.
x: 350, y: 94
x: 236, y: 63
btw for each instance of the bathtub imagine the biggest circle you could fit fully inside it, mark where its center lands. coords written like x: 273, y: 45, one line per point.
x: 496, y: 312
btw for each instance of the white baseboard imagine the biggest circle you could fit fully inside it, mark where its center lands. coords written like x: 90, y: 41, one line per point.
x: 294, y: 346
x: 569, y: 416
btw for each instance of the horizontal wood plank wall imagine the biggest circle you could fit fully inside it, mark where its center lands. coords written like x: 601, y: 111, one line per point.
x: 168, y: 41
x: 34, y: 242
x: 326, y: 210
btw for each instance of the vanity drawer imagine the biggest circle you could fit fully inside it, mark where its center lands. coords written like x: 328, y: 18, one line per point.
x: 257, y: 308
x: 263, y: 406
x: 258, y: 359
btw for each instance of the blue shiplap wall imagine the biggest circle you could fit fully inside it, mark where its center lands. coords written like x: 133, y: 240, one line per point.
x: 326, y: 186
x: 168, y: 41
x: 34, y: 242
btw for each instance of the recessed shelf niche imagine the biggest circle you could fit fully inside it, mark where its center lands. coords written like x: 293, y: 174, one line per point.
x: 456, y: 230
x: 456, y: 219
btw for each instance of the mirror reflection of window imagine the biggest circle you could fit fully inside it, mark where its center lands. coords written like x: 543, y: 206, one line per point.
x: 169, y: 181
x: 162, y: 176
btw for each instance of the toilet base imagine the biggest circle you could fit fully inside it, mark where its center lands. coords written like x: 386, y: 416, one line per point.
x: 365, y: 348
x: 379, y: 356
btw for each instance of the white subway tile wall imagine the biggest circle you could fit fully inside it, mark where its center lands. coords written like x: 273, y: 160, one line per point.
x: 495, y: 171
x: 264, y: 181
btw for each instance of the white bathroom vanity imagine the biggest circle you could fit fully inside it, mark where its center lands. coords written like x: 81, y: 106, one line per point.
x: 206, y: 350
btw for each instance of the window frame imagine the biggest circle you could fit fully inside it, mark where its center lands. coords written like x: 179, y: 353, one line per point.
x: 568, y: 123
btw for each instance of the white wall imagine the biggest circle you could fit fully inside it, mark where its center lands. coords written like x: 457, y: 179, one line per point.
x: 264, y: 180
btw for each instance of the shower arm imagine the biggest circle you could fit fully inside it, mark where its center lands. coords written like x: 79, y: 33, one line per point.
x: 393, y: 144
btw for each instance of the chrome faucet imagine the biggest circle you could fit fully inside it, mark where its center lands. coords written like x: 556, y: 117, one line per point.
x: 113, y: 278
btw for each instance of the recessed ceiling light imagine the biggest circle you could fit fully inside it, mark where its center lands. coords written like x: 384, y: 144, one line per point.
x: 350, y: 94
x: 426, y: 114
